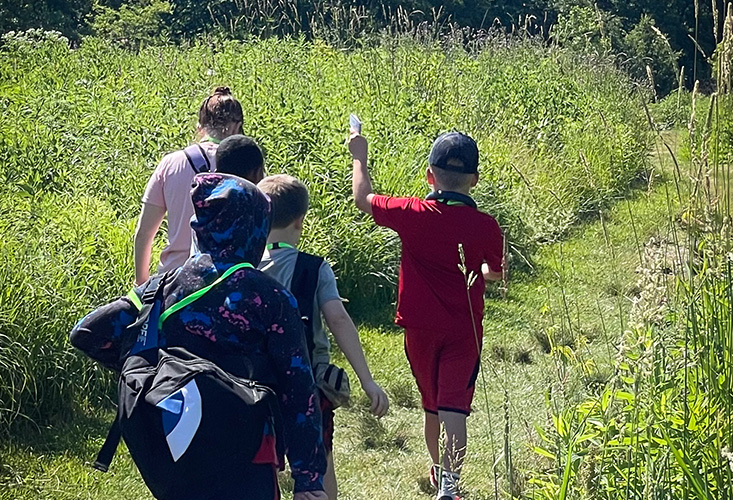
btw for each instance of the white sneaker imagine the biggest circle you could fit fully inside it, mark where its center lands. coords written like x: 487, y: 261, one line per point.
x: 448, y: 486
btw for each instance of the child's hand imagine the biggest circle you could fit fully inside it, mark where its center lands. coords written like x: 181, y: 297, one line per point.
x: 357, y: 146
x: 380, y: 403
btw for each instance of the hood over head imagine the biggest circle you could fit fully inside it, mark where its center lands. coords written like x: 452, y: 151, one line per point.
x: 231, y: 218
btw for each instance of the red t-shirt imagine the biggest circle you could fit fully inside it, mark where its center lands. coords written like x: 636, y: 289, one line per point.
x: 432, y: 289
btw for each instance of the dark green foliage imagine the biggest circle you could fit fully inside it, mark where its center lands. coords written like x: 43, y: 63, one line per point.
x: 66, y: 16
x: 266, y: 17
x: 646, y: 46
x: 618, y: 26
x: 588, y: 29
x: 132, y: 25
x: 677, y: 21
x: 591, y: 30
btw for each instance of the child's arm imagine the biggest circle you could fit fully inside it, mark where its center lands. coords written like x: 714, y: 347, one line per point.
x: 496, y: 254
x: 347, y: 338
x: 361, y: 184
x: 301, y: 416
x: 151, y: 217
x: 100, y: 333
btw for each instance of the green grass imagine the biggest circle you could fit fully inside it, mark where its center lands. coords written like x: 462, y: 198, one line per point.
x: 564, y: 168
x: 660, y: 427
x: 603, y: 380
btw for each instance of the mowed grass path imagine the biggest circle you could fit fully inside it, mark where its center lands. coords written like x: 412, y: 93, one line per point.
x: 580, y: 294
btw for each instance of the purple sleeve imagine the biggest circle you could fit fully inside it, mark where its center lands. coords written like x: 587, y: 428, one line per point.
x: 298, y: 397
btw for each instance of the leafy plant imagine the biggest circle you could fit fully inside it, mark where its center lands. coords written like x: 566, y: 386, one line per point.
x: 133, y: 25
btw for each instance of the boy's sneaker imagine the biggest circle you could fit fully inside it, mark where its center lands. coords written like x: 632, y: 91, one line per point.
x: 448, y: 486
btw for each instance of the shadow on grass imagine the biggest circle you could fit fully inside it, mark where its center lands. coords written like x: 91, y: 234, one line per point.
x: 79, y: 436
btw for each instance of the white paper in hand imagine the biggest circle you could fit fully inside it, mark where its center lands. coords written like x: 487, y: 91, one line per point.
x: 354, y: 123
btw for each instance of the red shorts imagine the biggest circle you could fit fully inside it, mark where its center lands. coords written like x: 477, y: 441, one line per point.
x: 445, y: 366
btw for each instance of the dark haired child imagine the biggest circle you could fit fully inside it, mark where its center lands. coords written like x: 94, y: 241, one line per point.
x: 167, y: 191
x: 283, y: 261
x: 441, y: 319
x: 241, y: 156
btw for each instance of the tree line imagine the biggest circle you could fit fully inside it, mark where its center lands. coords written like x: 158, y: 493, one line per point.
x: 665, y: 35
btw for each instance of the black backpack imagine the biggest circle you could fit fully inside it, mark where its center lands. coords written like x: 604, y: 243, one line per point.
x: 303, y: 286
x: 330, y: 379
x: 190, y: 426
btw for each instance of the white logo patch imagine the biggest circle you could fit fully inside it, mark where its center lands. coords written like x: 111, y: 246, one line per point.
x: 180, y: 437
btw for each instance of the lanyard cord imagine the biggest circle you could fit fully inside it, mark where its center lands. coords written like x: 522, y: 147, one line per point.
x: 200, y: 293
x: 208, y: 138
x: 451, y: 198
x: 279, y: 244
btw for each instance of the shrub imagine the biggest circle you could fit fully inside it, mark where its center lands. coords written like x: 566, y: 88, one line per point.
x: 133, y: 25
x: 588, y: 29
x: 646, y: 46
x: 66, y: 17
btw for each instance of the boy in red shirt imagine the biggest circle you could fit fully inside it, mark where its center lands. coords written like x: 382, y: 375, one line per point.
x: 441, y: 319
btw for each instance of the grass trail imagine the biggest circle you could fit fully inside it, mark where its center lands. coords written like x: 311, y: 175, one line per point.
x: 580, y: 295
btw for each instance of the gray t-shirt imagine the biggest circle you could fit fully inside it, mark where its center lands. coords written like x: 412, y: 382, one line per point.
x: 279, y: 264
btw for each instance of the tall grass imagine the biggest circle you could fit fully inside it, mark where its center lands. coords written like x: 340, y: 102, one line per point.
x: 662, y: 427
x: 82, y: 129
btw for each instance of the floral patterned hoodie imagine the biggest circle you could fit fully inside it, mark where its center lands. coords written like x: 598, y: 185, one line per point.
x: 248, y: 324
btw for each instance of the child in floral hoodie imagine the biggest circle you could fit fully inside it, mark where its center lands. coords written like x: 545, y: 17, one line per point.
x: 248, y: 324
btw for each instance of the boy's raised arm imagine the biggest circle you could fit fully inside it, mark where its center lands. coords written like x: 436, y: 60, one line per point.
x: 361, y: 185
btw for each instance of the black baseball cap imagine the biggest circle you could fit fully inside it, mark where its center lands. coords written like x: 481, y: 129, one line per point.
x: 456, y: 152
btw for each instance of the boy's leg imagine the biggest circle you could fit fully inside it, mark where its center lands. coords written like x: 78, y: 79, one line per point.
x: 422, y: 355
x: 432, y: 435
x: 329, y: 480
x: 459, y: 361
x: 455, y: 440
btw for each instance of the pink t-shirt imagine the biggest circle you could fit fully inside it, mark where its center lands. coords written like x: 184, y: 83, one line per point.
x: 170, y: 187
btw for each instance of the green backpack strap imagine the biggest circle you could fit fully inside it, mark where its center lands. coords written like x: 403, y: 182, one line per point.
x: 200, y: 293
